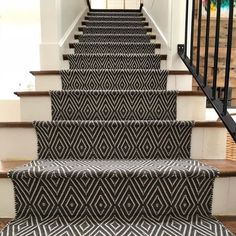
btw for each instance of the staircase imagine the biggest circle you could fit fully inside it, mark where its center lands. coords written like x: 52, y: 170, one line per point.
x: 116, y: 142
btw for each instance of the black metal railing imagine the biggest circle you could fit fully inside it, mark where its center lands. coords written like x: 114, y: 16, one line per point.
x: 197, y: 37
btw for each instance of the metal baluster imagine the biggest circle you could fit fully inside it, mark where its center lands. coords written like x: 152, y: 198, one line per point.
x: 192, y: 32
x: 186, y: 30
x: 199, y: 35
x: 216, y: 54
x: 228, y: 57
x: 207, y: 42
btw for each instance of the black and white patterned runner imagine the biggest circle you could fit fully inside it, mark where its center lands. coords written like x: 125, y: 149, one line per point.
x: 114, y: 79
x: 114, y: 163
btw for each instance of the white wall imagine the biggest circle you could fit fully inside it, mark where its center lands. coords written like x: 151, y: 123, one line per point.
x: 9, y: 110
x: 115, y: 4
x: 70, y: 9
x: 59, y: 20
x: 167, y: 18
x: 19, y: 40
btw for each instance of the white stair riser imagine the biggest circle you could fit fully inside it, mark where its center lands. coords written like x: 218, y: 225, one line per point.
x: 21, y: 143
x: 53, y: 82
x: 39, y: 108
x: 223, y: 200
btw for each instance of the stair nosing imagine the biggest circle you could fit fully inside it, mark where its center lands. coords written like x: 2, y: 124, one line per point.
x: 46, y: 93
x: 224, y: 173
x: 148, y: 29
x: 65, y: 56
x: 57, y: 72
x: 157, y: 45
x: 28, y: 124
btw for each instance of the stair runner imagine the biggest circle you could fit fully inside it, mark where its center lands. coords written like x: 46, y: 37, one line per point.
x: 114, y: 160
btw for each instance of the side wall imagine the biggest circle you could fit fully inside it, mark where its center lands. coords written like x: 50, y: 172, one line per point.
x: 167, y: 18
x: 59, y: 20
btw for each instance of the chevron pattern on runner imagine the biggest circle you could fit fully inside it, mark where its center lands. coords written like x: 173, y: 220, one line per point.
x: 83, y: 140
x: 114, y: 30
x: 117, y: 61
x: 114, y: 79
x: 113, y: 105
x: 113, y: 48
x: 110, y: 23
x: 134, y: 38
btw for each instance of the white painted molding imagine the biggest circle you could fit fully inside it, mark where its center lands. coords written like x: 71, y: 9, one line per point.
x: 72, y: 28
x: 157, y: 27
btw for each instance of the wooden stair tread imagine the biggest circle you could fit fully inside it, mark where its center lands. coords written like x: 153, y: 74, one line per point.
x: 163, y: 56
x: 227, y: 167
x: 5, y: 166
x: 152, y: 36
x: 198, y: 124
x: 46, y: 93
x: 72, y: 45
x: 57, y: 72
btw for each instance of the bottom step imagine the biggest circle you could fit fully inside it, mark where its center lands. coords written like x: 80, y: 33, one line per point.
x: 142, y: 227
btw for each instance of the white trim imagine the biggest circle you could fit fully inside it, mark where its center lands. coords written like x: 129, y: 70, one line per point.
x: 156, y: 26
x: 71, y: 29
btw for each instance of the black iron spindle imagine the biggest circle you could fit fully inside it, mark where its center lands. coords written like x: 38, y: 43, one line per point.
x: 186, y: 30
x: 207, y: 42
x: 199, y: 35
x: 228, y: 57
x: 192, y: 32
x: 216, y: 53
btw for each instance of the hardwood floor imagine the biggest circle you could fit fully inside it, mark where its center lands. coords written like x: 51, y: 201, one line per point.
x: 228, y: 221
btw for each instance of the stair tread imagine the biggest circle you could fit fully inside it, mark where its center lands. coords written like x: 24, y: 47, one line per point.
x: 145, y: 225
x: 47, y: 93
x: 162, y: 56
x: 119, y: 46
x: 57, y: 72
x: 198, y: 124
x: 227, y: 168
x: 90, y: 18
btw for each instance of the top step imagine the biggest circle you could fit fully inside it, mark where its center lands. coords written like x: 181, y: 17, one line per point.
x: 115, y: 13
x: 115, y: 18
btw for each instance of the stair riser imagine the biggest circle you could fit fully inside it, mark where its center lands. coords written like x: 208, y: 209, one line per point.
x: 114, y: 24
x: 39, y: 108
x: 114, y: 30
x: 96, y: 18
x: 223, y: 198
x: 115, y: 48
x: 21, y: 143
x: 53, y: 82
x: 115, y: 14
x: 117, y: 38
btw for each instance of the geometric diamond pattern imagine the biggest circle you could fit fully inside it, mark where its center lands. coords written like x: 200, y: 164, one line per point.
x: 117, y: 61
x: 114, y: 79
x: 113, y: 105
x: 87, y: 208
x: 82, y: 140
x: 115, y: 23
x: 117, y: 163
x: 112, y: 14
x: 114, y: 30
x: 134, y: 38
x: 111, y: 47
x: 114, y: 18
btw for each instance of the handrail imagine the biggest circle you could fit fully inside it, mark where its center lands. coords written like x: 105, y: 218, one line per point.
x: 192, y: 61
x: 89, y: 5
